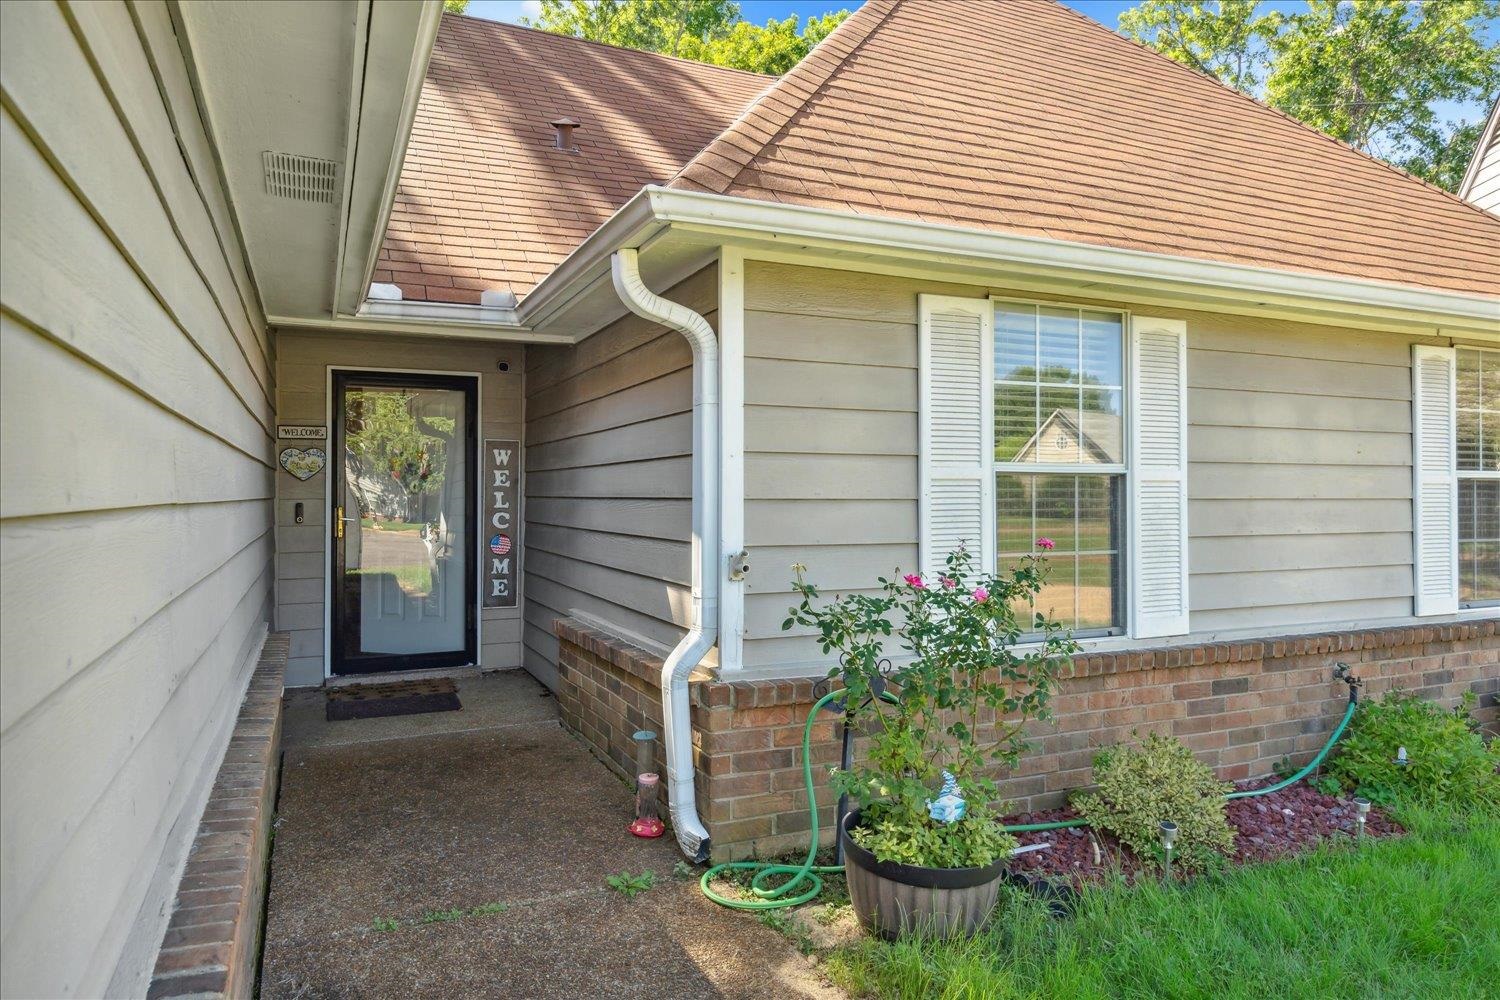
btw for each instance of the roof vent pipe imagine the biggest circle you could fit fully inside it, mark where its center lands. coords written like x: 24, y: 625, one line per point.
x: 703, y: 629
x: 564, y: 137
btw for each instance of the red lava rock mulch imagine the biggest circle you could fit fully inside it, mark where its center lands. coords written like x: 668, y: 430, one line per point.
x: 1276, y: 825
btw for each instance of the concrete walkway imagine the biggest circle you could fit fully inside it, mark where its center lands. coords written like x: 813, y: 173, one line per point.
x: 480, y: 840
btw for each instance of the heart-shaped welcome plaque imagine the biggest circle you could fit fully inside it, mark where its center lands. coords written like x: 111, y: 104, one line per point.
x: 303, y: 463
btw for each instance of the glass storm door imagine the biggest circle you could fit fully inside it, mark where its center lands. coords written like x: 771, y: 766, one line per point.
x: 403, y: 519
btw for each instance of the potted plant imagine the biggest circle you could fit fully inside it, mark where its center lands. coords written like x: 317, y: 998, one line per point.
x: 924, y: 850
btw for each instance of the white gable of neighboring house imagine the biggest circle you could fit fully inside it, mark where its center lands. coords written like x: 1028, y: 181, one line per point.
x: 1481, y: 183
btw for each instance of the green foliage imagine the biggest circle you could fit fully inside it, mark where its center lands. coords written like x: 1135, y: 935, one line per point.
x: 684, y: 871
x: 1228, y: 40
x: 384, y: 924
x: 455, y: 6
x: 1327, y: 784
x: 1140, y: 787
x: 1409, y: 917
x: 710, y: 31
x: 958, y: 701
x: 1448, y: 760
x: 896, y: 834
x: 387, y: 437
x: 442, y: 916
x: 1372, y: 73
x: 631, y: 886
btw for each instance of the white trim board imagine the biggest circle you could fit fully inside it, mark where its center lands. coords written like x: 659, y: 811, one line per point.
x: 731, y: 320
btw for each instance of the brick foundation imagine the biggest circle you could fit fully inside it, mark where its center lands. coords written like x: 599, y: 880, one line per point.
x: 1240, y: 706
x: 212, y: 944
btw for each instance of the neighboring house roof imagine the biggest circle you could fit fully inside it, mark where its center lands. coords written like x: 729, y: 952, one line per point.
x: 1097, y: 432
x: 1022, y: 117
x: 485, y: 200
x: 1481, y: 183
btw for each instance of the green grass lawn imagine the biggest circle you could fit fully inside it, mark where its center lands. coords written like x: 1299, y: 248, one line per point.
x: 1414, y: 916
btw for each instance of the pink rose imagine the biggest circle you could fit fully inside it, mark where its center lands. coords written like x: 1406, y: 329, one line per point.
x: 949, y: 583
x: 914, y: 581
x: 1045, y: 543
x: 981, y: 595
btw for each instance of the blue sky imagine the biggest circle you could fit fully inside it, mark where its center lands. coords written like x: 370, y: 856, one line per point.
x: 1107, y: 11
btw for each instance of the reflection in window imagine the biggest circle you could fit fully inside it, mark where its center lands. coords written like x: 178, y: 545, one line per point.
x: 1059, y: 392
x: 1478, y: 454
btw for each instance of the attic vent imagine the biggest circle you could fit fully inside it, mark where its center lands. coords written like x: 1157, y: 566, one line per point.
x: 305, y: 178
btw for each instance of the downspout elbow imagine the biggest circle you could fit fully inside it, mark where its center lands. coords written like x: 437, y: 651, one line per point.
x: 703, y: 629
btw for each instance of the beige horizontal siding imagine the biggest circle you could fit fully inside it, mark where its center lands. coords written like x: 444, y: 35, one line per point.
x: 609, y: 480
x: 1299, y: 455
x: 302, y: 398
x: 136, y: 512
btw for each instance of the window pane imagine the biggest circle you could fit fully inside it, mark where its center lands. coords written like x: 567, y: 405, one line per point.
x: 1083, y: 515
x: 1015, y: 342
x: 1478, y: 404
x: 1059, y: 344
x: 1479, y: 541
x: 1103, y: 336
x: 1013, y: 514
x: 1058, y: 437
x: 1015, y: 422
x: 1056, y: 510
x: 1101, y: 427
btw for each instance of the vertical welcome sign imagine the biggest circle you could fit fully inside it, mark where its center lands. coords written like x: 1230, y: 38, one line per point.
x: 501, y: 472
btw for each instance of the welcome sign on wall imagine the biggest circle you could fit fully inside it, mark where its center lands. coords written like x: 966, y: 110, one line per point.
x: 501, y: 473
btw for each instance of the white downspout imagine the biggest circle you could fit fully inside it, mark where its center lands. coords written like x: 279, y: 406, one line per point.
x: 703, y: 630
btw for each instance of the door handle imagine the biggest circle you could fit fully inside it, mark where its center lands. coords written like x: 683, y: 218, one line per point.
x: 338, y: 522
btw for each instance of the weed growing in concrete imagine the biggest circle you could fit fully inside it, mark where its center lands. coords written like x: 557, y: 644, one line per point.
x: 631, y: 886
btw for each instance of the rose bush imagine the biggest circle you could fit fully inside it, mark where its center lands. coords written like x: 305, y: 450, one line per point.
x: 979, y: 662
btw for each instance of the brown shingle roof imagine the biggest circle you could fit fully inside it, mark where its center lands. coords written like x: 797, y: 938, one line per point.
x: 1027, y: 117
x: 485, y: 201
x: 1019, y: 116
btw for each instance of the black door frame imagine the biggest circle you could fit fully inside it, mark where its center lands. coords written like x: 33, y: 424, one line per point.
x: 340, y: 663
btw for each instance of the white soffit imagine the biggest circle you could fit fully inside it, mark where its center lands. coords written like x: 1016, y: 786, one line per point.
x: 333, y: 81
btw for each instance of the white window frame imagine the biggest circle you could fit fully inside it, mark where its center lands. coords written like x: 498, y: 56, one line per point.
x: 1476, y: 607
x: 1126, y: 599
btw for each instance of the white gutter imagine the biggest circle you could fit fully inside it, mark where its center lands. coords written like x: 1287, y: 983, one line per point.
x: 703, y: 630
x: 909, y: 240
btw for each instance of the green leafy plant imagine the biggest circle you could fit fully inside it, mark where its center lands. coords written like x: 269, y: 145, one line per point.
x: 384, y: 924
x: 631, y: 886
x: 1327, y: 784
x: 1141, y: 786
x: 442, y: 916
x: 1448, y: 761
x: 488, y: 909
x: 958, y: 700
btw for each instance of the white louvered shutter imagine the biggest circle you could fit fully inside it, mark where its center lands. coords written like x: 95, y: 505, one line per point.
x: 1434, y: 480
x: 1158, y: 477
x: 957, y: 505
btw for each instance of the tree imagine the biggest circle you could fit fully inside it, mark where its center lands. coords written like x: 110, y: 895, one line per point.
x: 1370, y: 72
x: 1228, y: 40
x: 711, y: 31
x: 455, y: 6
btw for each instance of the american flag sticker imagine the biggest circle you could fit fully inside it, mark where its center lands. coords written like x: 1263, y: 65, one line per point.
x: 500, y: 544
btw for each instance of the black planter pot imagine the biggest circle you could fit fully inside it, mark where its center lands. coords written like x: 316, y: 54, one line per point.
x: 892, y: 899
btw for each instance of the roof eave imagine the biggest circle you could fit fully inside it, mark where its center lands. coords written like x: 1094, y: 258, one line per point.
x: 1486, y: 139
x: 1105, y: 271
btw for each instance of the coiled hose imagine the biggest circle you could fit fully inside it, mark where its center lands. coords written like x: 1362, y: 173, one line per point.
x: 786, y: 894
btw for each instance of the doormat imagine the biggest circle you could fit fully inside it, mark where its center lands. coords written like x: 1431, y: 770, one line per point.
x: 375, y: 701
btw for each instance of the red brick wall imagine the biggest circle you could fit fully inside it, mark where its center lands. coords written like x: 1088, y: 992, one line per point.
x: 1240, y: 706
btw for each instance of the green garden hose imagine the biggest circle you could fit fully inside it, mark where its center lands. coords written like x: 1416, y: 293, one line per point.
x: 771, y: 898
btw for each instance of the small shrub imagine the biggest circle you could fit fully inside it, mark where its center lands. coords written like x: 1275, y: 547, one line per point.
x: 631, y: 886
x: 1448, y: 761
x: 1139, y: 787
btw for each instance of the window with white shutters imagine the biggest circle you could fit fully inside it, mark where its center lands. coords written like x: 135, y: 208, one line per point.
x: 1044, y: 420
